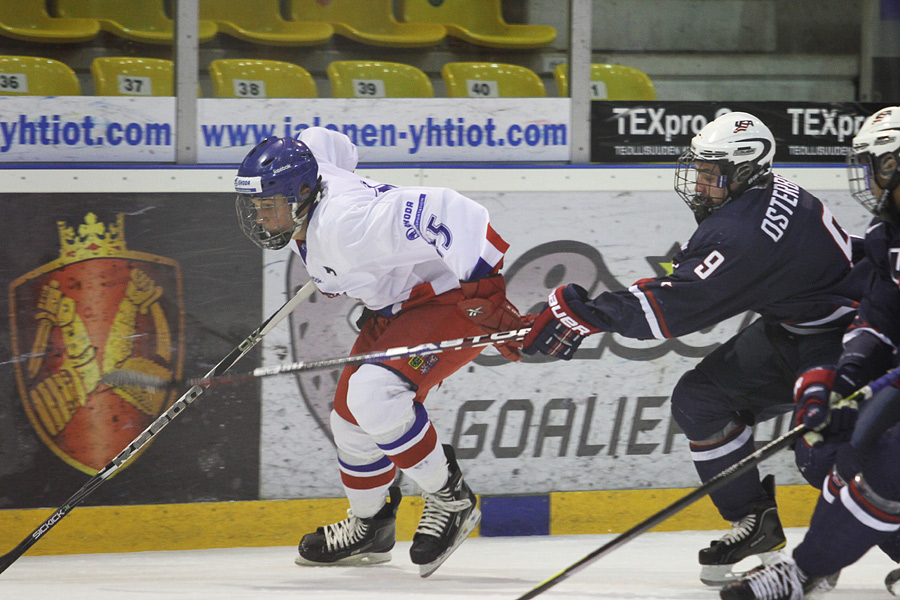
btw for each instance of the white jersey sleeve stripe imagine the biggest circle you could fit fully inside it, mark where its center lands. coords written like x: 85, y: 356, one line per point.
x: 649, y: 315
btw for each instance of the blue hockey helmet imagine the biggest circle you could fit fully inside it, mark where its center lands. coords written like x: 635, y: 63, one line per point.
x: 277, y: 183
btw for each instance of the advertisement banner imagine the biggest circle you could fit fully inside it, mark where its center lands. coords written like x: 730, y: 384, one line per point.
x: 396, y: 130
x: 629, y: 132
x: 598, y: 422
x: 405, y: 130
x: 87, y: 129
x: 164, y: 284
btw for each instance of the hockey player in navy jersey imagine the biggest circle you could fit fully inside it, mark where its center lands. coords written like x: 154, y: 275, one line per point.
x: 762, y: 244
x: 425, y: 263
x: 859, y: 506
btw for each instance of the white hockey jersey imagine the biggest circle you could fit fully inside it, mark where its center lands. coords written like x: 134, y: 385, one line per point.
x: 376, y: 242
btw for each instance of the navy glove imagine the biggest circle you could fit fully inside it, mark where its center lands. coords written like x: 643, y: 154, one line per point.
x: 812, y: 395
x: 820, y: 396
x: 847, y: 463
x: 560, y: 327
x: 815, y: 461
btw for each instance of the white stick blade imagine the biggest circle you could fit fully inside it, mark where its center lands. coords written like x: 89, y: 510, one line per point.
x: 124, y: 377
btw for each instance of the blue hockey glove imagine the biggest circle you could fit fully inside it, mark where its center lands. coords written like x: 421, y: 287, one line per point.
x: 815, y: 461
x: 560, y: 327
x: 812, y: 395
x: 847, y: 463
x: 820, y: 394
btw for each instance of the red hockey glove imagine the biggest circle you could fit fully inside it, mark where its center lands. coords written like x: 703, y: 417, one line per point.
x: 559, y: 329
x: 487, y: 305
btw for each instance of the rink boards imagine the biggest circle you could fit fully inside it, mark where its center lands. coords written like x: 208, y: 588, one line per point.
x: 580, y: 447
x: 100, y: 529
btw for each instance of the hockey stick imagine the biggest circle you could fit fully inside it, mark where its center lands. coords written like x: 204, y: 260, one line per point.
x: 711, y: 485
x: 137, y: 379
x: 155, y: 427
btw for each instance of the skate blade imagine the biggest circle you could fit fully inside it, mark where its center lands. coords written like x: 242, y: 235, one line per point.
x: 720, y: 575
x: 821, y: 588
x: 471, y: 522
x: 357, y: 560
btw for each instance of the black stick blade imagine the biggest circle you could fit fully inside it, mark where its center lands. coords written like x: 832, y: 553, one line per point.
x: 124, y: 377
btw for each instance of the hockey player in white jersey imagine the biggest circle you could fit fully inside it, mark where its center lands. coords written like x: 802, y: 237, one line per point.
x: 425, y: 263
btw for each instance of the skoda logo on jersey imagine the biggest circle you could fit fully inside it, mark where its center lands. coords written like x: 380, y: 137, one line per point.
x: 411, y: 232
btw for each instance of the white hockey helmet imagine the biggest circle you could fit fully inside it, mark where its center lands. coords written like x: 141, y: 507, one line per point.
x: 742, y: 147
x: 873, y: 163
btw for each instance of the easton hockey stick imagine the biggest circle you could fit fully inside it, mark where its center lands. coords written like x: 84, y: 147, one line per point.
x: 155, y: 427
x: 137, y: 379
x: 711, y: 485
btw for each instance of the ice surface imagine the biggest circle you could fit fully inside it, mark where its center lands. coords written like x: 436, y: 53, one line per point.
x: 654, y: 566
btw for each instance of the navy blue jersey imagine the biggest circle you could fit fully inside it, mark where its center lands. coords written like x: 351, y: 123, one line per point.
x: 776, y: 250
x: 879, y: 311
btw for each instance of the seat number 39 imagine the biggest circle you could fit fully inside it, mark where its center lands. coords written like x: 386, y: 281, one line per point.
x: 712, y: 262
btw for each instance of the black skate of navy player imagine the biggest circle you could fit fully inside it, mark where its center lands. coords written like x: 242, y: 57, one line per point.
x: 860, y: 502
x: 762, y: 244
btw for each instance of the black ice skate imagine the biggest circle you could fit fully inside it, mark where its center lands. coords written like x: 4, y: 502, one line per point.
x: 448, y: 518
x: 353, y: 541
x: 892, y: 582
x: 779, y: 579
x: 759, y: 533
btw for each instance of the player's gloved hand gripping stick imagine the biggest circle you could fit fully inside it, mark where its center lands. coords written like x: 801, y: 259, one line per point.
x: 562, y: 325
x: 156, y: 426
x: 723, y: 478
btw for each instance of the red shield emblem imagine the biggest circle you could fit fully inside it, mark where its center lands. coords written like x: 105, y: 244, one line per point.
x: 97, y: 308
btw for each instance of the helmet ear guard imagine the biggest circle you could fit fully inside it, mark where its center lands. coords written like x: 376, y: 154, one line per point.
x: 742, y: 173
x: 887, y: 169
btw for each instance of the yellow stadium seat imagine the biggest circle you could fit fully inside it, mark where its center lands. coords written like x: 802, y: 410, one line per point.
x: 240, y: 78
x: 369, y: 22
x: 478, y: 22
x: 491, y: 80
x: 137, y: 20
x: 610, y: 82
x: 261, y: 22
x: 374, y: 79
x: 28, y: 20
x: 29, y: 76
x: 128, y: 76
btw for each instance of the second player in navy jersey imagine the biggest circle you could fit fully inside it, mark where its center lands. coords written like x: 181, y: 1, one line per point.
x: 859, y: 506
x: 762, y: 244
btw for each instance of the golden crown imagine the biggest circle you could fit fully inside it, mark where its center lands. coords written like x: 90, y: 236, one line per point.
x: 94, y: 239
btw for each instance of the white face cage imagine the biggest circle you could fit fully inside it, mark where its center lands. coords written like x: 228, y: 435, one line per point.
x: 269, y: 222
